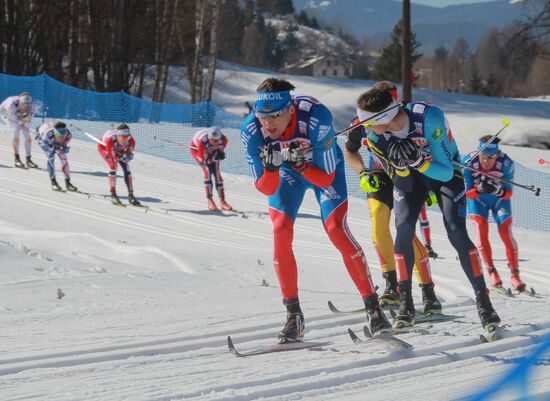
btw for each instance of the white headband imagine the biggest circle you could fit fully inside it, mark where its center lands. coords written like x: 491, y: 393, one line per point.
x: 383, y: 117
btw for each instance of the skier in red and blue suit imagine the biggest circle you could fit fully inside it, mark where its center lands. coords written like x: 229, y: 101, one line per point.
x: 486, y: 193
x: 290, y: 148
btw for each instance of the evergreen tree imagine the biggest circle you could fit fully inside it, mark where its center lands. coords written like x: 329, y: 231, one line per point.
x: 388, y: 66
x: 475, y: 86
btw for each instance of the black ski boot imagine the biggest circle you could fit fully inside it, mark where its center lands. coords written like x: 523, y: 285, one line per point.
x: 406, y: 313
x: 55, y: 185
x: 293, y: 331
x: 430, y: 301
x: 376, y: 320
x: 391, y: 294
x: 485, y: 310
x: 30, y: 163
x: 133, y: 201
x: 69, y: 186
x: 18, y: 162
x: 431, y: 253
x: 115, y: 200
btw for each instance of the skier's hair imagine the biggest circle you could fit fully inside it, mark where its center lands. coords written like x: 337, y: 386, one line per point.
x: 374, y: 100
x: 385, y: 85
x: 59, y: 124
x: 487, y: 138
x: 273, y: 84
x: 123, y: 126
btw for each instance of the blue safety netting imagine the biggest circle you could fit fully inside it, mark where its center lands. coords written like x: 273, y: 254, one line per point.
x: 165, y: 130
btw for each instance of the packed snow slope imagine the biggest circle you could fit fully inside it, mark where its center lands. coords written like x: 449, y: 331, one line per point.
x: 150, y: 298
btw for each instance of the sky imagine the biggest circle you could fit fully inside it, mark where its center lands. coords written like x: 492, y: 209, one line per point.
x: 444, y: 3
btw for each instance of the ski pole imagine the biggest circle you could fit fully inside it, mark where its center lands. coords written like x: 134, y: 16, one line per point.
x: 87, y: 134
x: 372, y: 120
x: 531, y: 188
x: 543, y: 162
x: 505, y: 123
x: 181, y: 145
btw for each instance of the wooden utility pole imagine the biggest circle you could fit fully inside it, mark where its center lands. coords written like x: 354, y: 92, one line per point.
x: 406, y: 70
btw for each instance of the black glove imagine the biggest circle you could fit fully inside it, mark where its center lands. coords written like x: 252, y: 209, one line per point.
x: 488, y: 186
x: 403, y: 153
x: 295, y: 156
x: 219, y: 155
x: 271, y: 158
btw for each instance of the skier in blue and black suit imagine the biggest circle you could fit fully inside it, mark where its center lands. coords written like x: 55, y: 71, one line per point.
x: 417, y: 150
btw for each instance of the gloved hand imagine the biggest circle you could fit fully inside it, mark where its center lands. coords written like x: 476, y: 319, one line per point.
x: 404, y: 153
x: 295, y: 156
x: 127, y: 157
x: 486, y: 185
x: 271, y: 158
x: 218, y: 155
x: 65, y: 149
x: 432, y: 199
x: 370, y: 182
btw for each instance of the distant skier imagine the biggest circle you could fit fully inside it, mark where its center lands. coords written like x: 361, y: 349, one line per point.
x: 17, y: 112
x: 417, y: 149
x: 486, y: 193
x: 54, y: 138
x: 290, y: 147
x: 119, y: 149
x: 208, y: 149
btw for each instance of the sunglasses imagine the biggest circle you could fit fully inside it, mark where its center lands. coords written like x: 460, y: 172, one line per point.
x: 489, y: 156
x: 272, y: 114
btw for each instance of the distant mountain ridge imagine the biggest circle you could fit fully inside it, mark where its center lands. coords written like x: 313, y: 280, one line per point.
x: 433, y: 26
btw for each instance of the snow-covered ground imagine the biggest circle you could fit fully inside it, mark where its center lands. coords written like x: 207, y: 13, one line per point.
x: 150, y: 298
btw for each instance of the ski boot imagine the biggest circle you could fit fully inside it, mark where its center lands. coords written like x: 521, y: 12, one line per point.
x: 517, y: 283
x: 376, y: 320
x: 18, y: 162
x: 431, y: 253
x: 495, y: 278
x: 225, y: 206
x: 406, y: 313
x: 431, y: 303
x: 487, y: 314
x: 55, y: 185
x: 211, y: 205
x: 70, y: 187
x: 133, y: 201
x: 390, y: 295
x: 115, y: 200
x: 30, y: 163
x: 293, y: 331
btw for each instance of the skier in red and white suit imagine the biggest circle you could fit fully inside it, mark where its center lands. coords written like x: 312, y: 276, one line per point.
x: 118, y: 148
x: 208, y: 148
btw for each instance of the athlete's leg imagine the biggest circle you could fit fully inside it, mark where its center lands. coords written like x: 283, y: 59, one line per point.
x: 127, y: 177
x: 334, y: 210
x: 452, y: 203
x: 283, y: 209
x: 51, y: 158
x: 64, y: 165
x: 381, y: 236
x: 113, y: 166
x: 27, y: 135
x: 425, y: 226
x: 421, y: 263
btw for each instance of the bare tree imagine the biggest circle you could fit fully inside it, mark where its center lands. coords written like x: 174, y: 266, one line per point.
x: 213, y: 48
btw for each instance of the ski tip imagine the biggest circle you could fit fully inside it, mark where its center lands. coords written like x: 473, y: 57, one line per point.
x: 332, y: 307
x: 366, y: 331
x: 392, y: 313
x: 353, y: 336
x: 231, y: 346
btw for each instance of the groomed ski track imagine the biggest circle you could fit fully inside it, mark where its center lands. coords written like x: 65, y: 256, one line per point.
x: 151, y: 298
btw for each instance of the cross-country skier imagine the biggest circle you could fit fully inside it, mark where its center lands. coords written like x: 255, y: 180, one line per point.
x: 486, y: 193
x: 54, y: 138
x: 290, y: 147
x: 17, y: 112
x: 208, y: 149
x: 118, y: 149
x: 417, y: 150
x: 379, y: 188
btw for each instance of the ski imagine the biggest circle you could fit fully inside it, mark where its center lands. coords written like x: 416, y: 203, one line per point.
x: 530, y: 293
x: 428, y: 318
x: 491, y: 332
x: 334, y: 309
x: 269, y: 349
x: 386, y: 339
x: 507, y: 292
x: 405, y: 330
